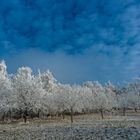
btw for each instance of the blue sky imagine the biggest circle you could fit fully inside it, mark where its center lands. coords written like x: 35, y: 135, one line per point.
x: 78, y: 40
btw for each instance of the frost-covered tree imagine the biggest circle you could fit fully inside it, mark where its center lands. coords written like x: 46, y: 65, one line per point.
x: 7, y: 97
x: 50, y: 86
x: 134, y: 94
x: 123, y: 102
x: 86, y: 99
x: 48, y: 80
x: 102, y: 102
x: 89, y: 96
x: 100, y: 97
x: 122, y: 99
x: 110, y: 91
x: 48, y: 104
x: 61, y: 100
x: 70, y: 98
x: 29, y: 91
x: 133, y: 101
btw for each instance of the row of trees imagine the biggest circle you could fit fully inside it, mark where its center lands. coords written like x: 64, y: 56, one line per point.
x: 24, y: 95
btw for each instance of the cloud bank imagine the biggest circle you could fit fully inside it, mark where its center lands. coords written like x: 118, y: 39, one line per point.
x: 92, y: 65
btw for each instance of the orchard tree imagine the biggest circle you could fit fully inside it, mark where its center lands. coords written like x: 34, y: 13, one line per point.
x: 133, y: 101
x: 7, y: 98
x: 49, y: 106
x: 89, y: 96
x: 134, y: 94
x: 123, y: 102
x: 48, y: 80
x: 86, y: 99
x: 102, y: 102
x: 50, y: 86
x: 110, y: 91
x: 72, y: 98
x: 29, y: 91
x: 99, y: 98
x: 91, y: 88
x: 61, y: 100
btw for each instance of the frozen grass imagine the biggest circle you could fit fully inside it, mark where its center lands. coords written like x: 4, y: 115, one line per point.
x: 86, y: 127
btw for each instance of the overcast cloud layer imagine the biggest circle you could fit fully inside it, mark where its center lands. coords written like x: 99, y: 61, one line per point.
x: 77, y: 39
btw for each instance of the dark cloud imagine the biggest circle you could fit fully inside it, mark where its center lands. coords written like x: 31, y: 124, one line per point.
x: 68, y: 24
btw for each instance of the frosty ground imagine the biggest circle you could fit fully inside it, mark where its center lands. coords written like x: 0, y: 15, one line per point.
x: 85, y: 127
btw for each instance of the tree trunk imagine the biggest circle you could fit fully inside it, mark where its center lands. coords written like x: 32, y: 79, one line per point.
x: 135, y: 109
x: 124, y: 110
x: 3, y: 117
x: 10, y: 114
x: 102, y: 115
x: 71, y: 115
x: 38, y: 113
x: 63, y: 115
x: 25, y: 116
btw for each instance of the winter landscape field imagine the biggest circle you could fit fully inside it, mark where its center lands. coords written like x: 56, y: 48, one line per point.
x: 69, y: 69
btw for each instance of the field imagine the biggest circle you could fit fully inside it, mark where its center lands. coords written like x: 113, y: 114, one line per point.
x: 85, y: 127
